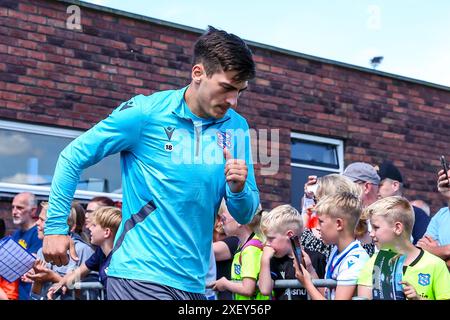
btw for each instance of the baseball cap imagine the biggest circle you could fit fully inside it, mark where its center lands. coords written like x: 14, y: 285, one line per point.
x: 361, y: 171
x: 389, y: 170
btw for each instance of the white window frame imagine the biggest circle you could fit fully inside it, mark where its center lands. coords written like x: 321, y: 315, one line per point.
x: 43, y: 190
x: 338, y: 143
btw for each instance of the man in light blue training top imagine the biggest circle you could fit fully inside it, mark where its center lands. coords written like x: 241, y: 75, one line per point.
x: 182, y: 151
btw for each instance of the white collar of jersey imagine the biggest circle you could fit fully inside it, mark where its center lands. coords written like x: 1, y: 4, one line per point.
x: 349, y: 247
x: 335, y: 256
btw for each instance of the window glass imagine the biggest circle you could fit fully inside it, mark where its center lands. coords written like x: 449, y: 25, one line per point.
x: 312, y: 155
x: 30, y: 158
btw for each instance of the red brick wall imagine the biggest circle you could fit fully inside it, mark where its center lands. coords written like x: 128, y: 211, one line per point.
x: 54, y: 76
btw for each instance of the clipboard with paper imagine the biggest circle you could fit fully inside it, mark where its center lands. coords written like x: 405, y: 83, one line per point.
x: 15, y: 260
x: 387, y: 274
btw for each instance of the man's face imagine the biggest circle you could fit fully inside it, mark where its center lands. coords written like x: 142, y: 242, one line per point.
x: 218, y: 93
x: 387, y: 188
x: 41, y: 223
x: 22, y: 211
x: 370, y: 192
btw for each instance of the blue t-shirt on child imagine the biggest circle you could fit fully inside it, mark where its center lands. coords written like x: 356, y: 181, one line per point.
x: 99, y: 262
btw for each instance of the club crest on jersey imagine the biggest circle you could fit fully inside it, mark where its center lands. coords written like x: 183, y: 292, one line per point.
x: 424, y: 279
x: 237, y: 269
x: 224, y: 139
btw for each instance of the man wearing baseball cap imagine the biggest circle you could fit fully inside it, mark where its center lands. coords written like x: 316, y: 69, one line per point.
x: 392, y: 185
x: 365, y: 175
x: 367, y: 178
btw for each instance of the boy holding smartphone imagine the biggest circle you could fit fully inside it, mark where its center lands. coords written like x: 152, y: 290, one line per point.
x: 338, y: 216
x: 278, y: 226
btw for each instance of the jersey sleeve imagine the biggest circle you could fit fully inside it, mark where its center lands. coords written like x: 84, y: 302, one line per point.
x: 243, y: 205
x: 118, y: 132
x: 441, y: 282
x: 365, y: 276
x: 84, y: 252
x: 251, y: 262
x: 93, y: 263
x: 350, y: 269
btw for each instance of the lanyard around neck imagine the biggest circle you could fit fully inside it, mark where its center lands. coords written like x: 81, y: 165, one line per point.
x: 248, y: 239
x: 333, y: 266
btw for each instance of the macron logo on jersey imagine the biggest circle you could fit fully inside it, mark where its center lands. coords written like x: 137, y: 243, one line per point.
x: 351, y: 260
x: 169, y: 132
x: 127, y: 105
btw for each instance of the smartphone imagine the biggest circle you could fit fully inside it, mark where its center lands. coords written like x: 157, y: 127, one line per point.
x: 57, y: 294
x: 295, y: 242
x: 312, y: 188
x: 445, y: 167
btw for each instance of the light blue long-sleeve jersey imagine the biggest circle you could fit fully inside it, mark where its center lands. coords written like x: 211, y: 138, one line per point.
x: 173, y: 181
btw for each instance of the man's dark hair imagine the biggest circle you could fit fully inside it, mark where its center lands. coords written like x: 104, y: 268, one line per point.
x: 104, y: 201
x: 218, y: 50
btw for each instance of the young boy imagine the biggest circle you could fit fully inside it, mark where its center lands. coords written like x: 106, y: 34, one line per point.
x: 225, y: 246
x: 278, y: 226
x: 425, y: 276
x: 338, y: 216
x: 104, y: 224
x: 246, y: 261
